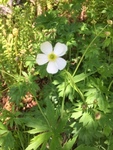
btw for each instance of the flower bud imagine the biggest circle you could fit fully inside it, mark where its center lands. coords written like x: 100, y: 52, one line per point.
x: 10, y: 37
x: 110, y: 22
x: 97, y: 116
x: 15, y: 31
x: 107, y: 33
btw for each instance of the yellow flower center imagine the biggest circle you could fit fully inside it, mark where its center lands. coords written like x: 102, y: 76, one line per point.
x: 52, y: 57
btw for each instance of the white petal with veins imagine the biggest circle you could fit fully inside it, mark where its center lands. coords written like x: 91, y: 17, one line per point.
x: 46, y: 47
x: 61, y: 63
x: 52, y: 68
x: 60, y: 49
x: 41, y: 59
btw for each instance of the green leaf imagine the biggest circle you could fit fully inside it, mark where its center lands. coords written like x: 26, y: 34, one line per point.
x: 83, y: 147
x: 69, y: 144
x: 71, y: 81
x: 51, y: 113
x: 88, y: 130
x: 3, y: 129
x: 38, y: 125
x: 86, y: 119
x: 80, y: 77
x: 110, y: 143
x: 61, y: 123
x: 38, y: 140
x: 106, y: 43
x: 55, y: 143
x: 102, y: 103
x: 3, y: 132
x: 76, y: 115
x: 30, y: 61
x: 2, y: 126
x: 7, y: 141
x: 17, y: 91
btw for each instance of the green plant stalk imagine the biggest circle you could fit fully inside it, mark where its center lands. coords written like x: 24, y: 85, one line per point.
x: 20, y: 141
x: 16, y: 55
x: 110, y: 85
x: 75, y: 86
x: 79, y: 91
x: 110, y: 52
x: 42, y: 111
x: 63, y: 100
x: 87, y: 50
x: 9, y: 74
x: 20, y: 67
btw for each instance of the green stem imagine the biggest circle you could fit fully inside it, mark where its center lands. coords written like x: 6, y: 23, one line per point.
x: 42, y: 111
x: 20, y: 67
x: 20, y: 140
x: 8, y: 74
x: 63, y: 100
x: 72, y: 83
x: 87, y: 50
x: 110, y: 85
x: 110, y: 51
x: 79, y: 92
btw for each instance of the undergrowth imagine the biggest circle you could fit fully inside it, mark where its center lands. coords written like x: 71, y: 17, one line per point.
x: 70, y: 110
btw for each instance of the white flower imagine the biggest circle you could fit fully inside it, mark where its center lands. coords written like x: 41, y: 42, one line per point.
x: 53, y: 57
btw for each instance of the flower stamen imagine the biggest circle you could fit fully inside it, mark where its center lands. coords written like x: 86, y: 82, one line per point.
x: 52, y: 57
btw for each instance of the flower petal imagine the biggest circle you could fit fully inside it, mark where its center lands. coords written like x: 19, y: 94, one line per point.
x: 60, y: 49
x: 61, y: 63
x: 46, y: 47
x: 41, y: 59
x: 52, y: 68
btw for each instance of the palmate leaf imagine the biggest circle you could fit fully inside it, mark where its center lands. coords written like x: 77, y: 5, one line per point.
x: 30, y: 61
x: 70, y: 84
x: 69, y: 91
x: 87, y: 136
x: 93, y: 94
x: 41, y: 128
x: 24, y: 84
x: 48, y: 130
x: 83, y: 147
x: 88, y: 130
x: 55, y: 143
x: 2, y: 126
x: 110, y: 143
x: 38, y: 140
x: 102, y: 103
x: 3, y: 129
x: 76, y: 78
x: 38, y: 125
x: 17, y: 91
x: 106, y: 70
x: 37, y: 130
x: 88, y: 121
x: 51, y: 113
x: 56, y: 122
x: 80, y: 77
x: 7, y: 141
x: 69, y: 144
x: 76, y: 115
x: 6, y: 138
